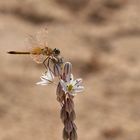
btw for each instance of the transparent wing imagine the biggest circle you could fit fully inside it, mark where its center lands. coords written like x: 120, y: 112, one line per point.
x: 36, y: 43
x: 41, y: 37
x: 38, y: 40
x: 38, y: 58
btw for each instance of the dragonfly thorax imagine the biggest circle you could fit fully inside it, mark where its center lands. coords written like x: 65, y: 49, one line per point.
x: 47, y: 51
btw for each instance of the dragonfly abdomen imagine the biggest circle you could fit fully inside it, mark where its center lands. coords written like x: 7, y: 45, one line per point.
x: 15, y: 52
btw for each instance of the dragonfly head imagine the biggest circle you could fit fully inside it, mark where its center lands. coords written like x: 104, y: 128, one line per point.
x: 56, y: 52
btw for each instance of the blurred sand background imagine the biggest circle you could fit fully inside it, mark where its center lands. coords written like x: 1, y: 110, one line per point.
x: 102, y: 40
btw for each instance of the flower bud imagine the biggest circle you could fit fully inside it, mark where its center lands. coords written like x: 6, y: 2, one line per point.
x: 63, y: 114
x: 73, y: 135
x: 60, y: 93
x: 72, y: 115
x: 69, y: 105
x: 65, y: 135
x: 68, y: 126
x: 67, y: 68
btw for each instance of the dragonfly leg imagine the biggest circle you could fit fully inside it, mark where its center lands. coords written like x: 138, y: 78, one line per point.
x: 44, y: 63
x: 48, y: 65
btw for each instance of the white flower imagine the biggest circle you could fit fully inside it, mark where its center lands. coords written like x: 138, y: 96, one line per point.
x: 46, y: 78
x: 72, y: 86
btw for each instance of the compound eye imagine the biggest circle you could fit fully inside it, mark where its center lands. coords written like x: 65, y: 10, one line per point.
x: 57, y: 51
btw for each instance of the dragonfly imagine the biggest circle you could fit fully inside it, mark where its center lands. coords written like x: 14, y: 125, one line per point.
x: 40, y: 52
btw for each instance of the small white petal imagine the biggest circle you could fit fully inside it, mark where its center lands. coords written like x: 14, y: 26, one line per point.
x: 42, y: 83
x: 74, y: 82
x: 79, y: 81
x: 78, y: 89
x: 46, y: 78
x: 49, y: 75
x: 69, y: 78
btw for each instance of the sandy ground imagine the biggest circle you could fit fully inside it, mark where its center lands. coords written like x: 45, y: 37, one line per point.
x: 101, y: 39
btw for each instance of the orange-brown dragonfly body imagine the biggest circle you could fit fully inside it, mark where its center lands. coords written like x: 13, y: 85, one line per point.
x: 39, y: 50
x: 46, y: 51
x: 48, y: 54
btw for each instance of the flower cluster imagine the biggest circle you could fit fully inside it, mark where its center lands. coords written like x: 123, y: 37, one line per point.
x: 66, y: 79
x: 67, y: 88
